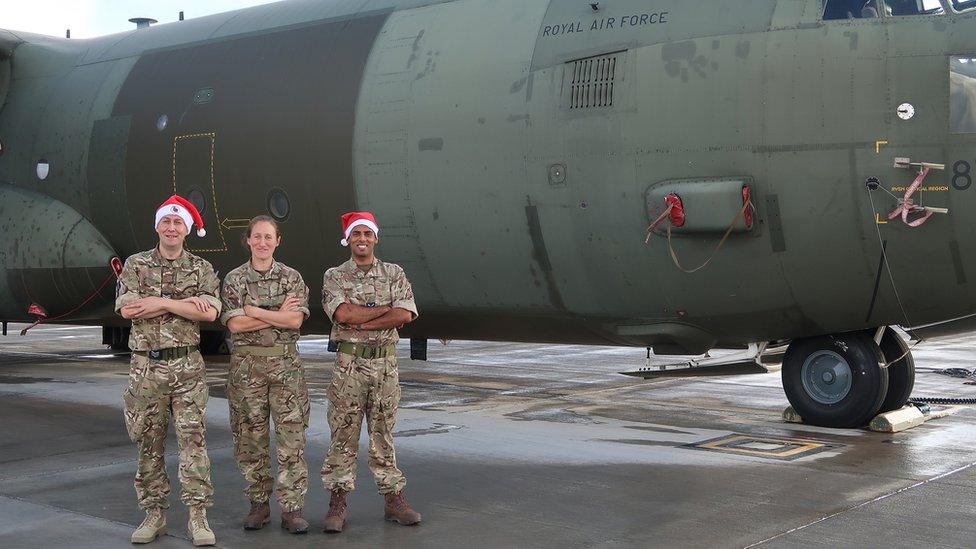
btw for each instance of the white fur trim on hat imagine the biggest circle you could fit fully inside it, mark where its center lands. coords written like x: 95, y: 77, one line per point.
x: 176, y: 209
x: 369, y: 224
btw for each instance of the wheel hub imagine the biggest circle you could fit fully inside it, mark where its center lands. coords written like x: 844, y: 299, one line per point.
x: 827, y: 377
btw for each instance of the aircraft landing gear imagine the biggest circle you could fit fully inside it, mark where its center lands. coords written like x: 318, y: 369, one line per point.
x: 901, y: 371
x: 837, y: 380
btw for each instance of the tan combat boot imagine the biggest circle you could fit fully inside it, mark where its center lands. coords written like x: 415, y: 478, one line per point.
x: 153, y: 526
x: 335, y: 519
x: 398, y: 510
x: 259, y: 516
x: 294, y: 522
x: 198, y: 528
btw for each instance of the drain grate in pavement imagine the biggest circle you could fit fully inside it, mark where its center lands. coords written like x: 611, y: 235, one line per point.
x: 784, y: 449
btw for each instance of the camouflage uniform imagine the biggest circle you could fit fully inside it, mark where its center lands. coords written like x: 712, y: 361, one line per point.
x: 364, y: 387
x: 259, y: 386
x: 160, y: 388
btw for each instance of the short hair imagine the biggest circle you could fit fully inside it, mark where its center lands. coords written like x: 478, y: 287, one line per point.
x: 254, y: 221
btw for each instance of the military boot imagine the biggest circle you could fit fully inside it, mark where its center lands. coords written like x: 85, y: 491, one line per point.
x: 335, y: 519
x: 294, y: 522
x: 398, y: 510
x: 153, y: 526
x: 198, y: 528
x: 259, y: 516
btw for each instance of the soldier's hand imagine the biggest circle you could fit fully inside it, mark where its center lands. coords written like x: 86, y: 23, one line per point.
x: 201, y: 304
x: 291, y: 303
x: 142, y: 307
x: 133, y: 310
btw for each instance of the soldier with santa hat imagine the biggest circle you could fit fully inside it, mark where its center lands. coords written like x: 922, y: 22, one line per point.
x: 367, y: 300
x: 166, y: 292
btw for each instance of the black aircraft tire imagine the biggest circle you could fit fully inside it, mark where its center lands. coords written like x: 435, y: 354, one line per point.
x: 845, y: 384
x: 901, y: 374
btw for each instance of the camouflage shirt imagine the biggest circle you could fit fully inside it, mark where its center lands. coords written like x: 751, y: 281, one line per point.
x: 246, y: 286
x: 149, y: 274
x: 384, y: 284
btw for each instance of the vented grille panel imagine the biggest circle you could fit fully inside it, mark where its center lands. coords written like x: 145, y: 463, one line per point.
x: 591, y: 83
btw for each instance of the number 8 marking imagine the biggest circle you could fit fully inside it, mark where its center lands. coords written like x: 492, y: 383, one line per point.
x: 962, y: 177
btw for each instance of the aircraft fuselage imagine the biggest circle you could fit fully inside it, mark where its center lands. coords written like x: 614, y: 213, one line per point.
x: 513, y: 152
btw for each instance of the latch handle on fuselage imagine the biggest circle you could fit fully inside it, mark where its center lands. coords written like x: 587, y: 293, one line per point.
x: 906, y: 164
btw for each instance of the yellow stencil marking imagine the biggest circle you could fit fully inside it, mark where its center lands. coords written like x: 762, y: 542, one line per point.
x: 877, y: 146
x: 213, y: 185
x: 762, y: 446
x: 235, y: 223
x: 878, y: 220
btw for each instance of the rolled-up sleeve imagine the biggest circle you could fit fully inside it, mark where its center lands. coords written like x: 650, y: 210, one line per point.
x: 403, y: 293
x: 300, y: 290
x: 232, y: 297
x: 209, y: 286
x: 332, y: 295
x: 127, y: 286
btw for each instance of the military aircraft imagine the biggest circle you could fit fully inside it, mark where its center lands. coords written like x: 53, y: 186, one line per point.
x: 545, y: 171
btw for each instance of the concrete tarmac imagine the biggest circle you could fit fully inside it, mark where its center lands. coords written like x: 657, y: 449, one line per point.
x: 508, y: 445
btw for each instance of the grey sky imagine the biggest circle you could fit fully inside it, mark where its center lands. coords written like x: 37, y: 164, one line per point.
x: 90, y: 18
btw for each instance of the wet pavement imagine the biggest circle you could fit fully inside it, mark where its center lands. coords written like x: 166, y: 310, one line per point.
x: 509, y: 445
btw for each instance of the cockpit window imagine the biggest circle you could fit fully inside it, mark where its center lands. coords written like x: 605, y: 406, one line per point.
x: 963, y: 5
x: 850, y: 9
x: 912, y: 7
x: 871, y: 9
x: 962, y: 94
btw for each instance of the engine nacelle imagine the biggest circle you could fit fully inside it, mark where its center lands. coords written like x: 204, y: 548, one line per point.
x: 51, y: 256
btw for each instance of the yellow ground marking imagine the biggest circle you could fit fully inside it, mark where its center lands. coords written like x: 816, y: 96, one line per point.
x: 786, y: 448
x: 878, y: 220
x: 877, y: 146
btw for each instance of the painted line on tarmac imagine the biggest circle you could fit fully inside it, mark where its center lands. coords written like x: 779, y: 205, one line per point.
x: 864, y: 503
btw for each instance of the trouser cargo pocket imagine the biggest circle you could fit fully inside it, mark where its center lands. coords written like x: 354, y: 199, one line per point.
x: 134, y: 411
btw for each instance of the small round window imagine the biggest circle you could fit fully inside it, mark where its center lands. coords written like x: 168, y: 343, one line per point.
x: 195, y: 196
x: 278, y: 205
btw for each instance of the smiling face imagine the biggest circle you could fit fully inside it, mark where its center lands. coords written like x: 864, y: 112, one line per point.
x: 362, y: 240
x: 172, y: 231
x: 263, y: 240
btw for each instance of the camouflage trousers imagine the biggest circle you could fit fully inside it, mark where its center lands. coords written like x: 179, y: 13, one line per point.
x: 259, y: 388
x: 362, y: 388
x: 157, y: 390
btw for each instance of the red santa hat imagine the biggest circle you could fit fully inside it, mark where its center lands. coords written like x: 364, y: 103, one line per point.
x: 353, y: 219
x: 177, y: 205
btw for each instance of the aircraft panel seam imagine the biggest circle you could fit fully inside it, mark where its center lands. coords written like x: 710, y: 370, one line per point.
x: 213, y: 186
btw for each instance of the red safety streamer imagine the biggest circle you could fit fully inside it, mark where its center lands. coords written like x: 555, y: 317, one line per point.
x: 674, y: 212
x: 674, y: 256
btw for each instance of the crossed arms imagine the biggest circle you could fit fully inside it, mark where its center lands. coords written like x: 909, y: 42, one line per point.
x: 191, y: 308
x: 372, y: 318
x: 288, y: 316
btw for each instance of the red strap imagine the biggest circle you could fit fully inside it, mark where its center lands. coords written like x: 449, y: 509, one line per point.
x: 747, y: 199
x: 38, y: 311
x: 677, y: 210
